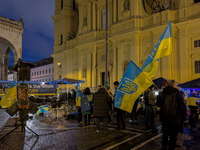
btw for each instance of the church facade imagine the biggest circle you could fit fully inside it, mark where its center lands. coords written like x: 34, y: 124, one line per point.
x: 135, y: 27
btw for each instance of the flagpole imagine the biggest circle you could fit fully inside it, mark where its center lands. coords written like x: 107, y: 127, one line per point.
x: 172, y: 66
x: 106, y: 48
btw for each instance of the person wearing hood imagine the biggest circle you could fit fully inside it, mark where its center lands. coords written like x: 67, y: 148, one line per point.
x: 171, y: 123
x: 86, y: 105
x: 101, y: 108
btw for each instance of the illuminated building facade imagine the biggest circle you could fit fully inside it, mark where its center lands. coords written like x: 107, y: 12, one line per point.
x: 135, y: 27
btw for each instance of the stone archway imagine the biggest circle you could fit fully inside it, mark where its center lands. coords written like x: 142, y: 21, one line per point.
x: 10, y: 39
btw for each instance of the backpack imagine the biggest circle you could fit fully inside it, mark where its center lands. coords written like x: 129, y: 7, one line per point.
x: 146, y: 98
x: 170, y: 108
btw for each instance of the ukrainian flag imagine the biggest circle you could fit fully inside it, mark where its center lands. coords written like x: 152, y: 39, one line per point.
x: 161, y: 49
x: 132, y: 85
x: 10, y: 97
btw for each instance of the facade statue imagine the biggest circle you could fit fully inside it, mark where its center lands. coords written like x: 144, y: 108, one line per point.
x: 166, y: 5
x: 85, y: 22
x: 72, y: 35
x: 68, y: 37
x: 126, y: 5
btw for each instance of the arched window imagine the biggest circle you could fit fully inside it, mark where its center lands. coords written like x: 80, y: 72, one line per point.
x: 125, y: 65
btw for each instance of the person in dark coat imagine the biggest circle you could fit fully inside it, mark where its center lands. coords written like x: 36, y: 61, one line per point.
x: 101, y: 108
x: 171, y: 125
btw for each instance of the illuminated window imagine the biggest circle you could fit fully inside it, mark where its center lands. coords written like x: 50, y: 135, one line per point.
x: 197, y: 66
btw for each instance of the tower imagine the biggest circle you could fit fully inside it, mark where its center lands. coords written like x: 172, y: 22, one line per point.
x: 65, y: 22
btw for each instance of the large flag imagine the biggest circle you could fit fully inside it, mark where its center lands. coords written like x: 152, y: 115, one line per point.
x: 132, y: 85
x: 10, y: 97
x: 162, y: 48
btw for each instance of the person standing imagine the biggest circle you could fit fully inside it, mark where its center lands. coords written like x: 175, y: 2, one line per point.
x: 120, y: 113
x: 150, y: 106
x: 101, y: 108
x: 172, y: 110
x: 86, y: 107
x: 78, y: 105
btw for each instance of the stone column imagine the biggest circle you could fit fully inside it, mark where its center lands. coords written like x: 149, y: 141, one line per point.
x: 89, y: 70
x: 134, y: 53
x: 94, y: 75
x: 80, y: 19
x: 98, y: 19
x: 183, y: 54
x: 119, y: 10
x: 80, y: 77
x: 94, y: 18
x: 120, y: 56
x: 89, y: 20
x: 115, y: 69
x: 114, y: 11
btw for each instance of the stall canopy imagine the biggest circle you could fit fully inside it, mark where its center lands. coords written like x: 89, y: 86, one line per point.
x: 66, y: 81
x: 191, y: 84
x: 159, y: 82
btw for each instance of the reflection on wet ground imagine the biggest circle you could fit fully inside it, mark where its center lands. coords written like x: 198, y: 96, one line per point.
x: 68, y: 134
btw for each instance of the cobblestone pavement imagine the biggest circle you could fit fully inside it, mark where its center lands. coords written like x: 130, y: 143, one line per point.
x: 69, y: 135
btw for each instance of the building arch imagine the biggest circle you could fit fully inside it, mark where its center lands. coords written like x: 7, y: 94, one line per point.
x: 10, y: 39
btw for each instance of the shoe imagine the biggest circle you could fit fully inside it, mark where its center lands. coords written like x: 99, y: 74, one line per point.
x: 97, y: 131
x: 130, y: 121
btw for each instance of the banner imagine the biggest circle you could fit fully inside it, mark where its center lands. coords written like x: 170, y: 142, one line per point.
x: 35, y: 88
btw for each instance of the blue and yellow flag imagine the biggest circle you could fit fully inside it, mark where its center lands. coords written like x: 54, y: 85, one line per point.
x: 10, y: 97
x: 86, y: 102
x: 132, y: 85
x: 161, y: 49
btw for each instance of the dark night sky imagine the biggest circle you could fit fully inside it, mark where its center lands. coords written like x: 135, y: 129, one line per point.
x: 38, y: 36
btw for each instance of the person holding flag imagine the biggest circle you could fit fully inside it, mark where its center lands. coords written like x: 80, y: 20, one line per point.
x: 10, y: 97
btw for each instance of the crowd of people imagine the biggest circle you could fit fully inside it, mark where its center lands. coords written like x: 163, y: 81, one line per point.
x: 171, y: 101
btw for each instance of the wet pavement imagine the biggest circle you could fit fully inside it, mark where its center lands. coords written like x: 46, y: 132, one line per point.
x: 69, y: 135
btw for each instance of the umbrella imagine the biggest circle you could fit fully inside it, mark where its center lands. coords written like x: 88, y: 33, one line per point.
x: 42, y: 109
